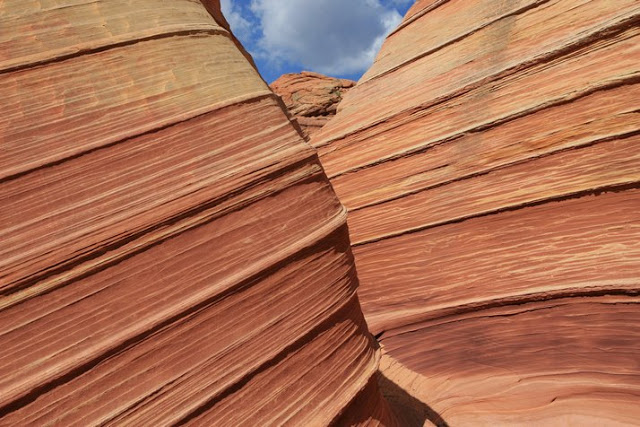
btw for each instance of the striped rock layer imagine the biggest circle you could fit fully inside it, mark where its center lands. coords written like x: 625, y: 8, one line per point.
x: 165, y: 258
x: 490, y: 164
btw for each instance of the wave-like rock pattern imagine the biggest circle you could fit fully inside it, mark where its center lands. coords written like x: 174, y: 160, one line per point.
x: 490, y: 163
x: 165, y: 258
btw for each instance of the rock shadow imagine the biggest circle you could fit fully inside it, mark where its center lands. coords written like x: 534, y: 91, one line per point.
x: 410, y: 411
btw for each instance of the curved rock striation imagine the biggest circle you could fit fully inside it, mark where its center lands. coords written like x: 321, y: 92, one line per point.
x: 490, y: 163
x: 165, y: 257
x: 311, y: 98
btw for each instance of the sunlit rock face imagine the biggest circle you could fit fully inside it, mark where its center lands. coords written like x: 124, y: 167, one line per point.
x: 311, y: 98
x: 490, y: 163
x: 171, y: 250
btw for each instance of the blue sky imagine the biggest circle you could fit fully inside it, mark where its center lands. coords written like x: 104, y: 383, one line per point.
x: 339, y: 38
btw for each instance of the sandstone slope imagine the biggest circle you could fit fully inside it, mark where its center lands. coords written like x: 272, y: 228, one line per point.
x: 311, y: 98
x: 165, y: 257
x: 490, y: 163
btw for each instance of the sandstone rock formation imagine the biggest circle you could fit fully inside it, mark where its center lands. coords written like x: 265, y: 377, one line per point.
x: 164, y: 257
x: 490, y: 163
x: 311, y: 97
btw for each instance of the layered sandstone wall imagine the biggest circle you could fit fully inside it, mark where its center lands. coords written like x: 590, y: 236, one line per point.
x: 490, y: 163
x: 165, y: 257
x: 311, y: 98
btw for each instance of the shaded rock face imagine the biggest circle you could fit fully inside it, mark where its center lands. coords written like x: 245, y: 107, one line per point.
x: 165, y: 257
x: 490, y: 163
x: 311, y: 97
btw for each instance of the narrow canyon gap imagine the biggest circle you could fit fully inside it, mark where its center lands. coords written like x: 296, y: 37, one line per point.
x: 172, y: 251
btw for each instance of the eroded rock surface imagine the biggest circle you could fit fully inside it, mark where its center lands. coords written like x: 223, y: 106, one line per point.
x: 311, y: 98
x: 164, y: 256
x: 490, y: 163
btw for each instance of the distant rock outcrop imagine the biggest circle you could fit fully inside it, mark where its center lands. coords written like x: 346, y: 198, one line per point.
x: 490, y: 163
x: 171, y: 251
x: 311, y: 97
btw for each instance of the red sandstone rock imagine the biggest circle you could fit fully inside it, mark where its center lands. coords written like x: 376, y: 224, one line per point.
x: 490, y: 163
x: 165, y: 257
x: 311, y: 97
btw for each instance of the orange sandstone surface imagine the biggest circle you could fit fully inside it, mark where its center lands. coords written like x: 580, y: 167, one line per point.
x: 311, y: 98
x: 490, y: 164
x: 165, y: 258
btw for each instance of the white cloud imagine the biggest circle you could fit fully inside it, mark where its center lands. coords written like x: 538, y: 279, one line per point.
x: 240, y: 26
x: 328, y: 36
